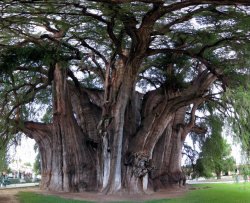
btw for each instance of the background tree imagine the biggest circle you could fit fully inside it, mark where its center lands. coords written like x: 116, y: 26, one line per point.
x: 215, y: 156
x: 239, y: 115
x: 37, y: 163
x: 4, y: 160
x: 120, y: 82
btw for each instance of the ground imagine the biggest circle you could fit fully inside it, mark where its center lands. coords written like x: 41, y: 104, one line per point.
x: 9, y: 195
x: 98, y: 197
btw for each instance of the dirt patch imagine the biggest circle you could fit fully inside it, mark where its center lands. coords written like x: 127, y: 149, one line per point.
x: 5, y: 199
x: 199, y: 188
x: 206, y: 187
x: 10, y: 195
x: 99, y: 197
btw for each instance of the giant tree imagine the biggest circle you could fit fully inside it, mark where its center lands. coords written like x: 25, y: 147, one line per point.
x: 120, y: 82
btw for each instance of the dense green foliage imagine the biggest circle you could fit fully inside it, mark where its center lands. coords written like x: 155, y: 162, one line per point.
x: 37, y: 165
x: 239, y: 116
x: 4, y: 160
x: 215, y: 156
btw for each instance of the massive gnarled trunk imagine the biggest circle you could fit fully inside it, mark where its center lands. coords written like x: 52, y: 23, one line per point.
x: 67, y: 163
x: 156, y: 147
x: 114, y: 111
x: 116, y: 140
x: 169, y: 148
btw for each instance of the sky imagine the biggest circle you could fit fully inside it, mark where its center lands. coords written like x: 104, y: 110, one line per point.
x: 23, y: 153
x: 236, y: 150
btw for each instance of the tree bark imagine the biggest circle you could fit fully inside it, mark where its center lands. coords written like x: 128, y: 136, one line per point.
x: 42, y: 134
x: 120, y: 144
x: 73, y: 166
x: 164, y: 110
x: 218, y: 175
x: 67, y: 161
x: 120, y: 96
x: 167, y: 159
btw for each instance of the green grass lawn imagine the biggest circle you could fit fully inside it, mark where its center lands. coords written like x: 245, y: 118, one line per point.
x: 204, y: 193
x: 214, y: 193
x: 31, y: 197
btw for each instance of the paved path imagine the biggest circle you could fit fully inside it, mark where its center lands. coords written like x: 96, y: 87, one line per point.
x: 20, y: 185
x: 191, y: 182
x: 224, y: 179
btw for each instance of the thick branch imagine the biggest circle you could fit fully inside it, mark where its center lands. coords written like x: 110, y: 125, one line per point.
x: 94, y: 96
x: 96, y: 70
x: 191, y: 125
x: 85, y: 44
x: 35, y: 130
x: 193, y: 117
x: 199, y: 130
x: 33, y: 126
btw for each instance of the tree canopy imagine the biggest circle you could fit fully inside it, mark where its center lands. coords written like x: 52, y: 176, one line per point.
x: 183, y: 37
x: 136, y: 72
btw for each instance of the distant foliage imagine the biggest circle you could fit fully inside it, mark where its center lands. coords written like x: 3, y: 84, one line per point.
x: 215, y: 156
